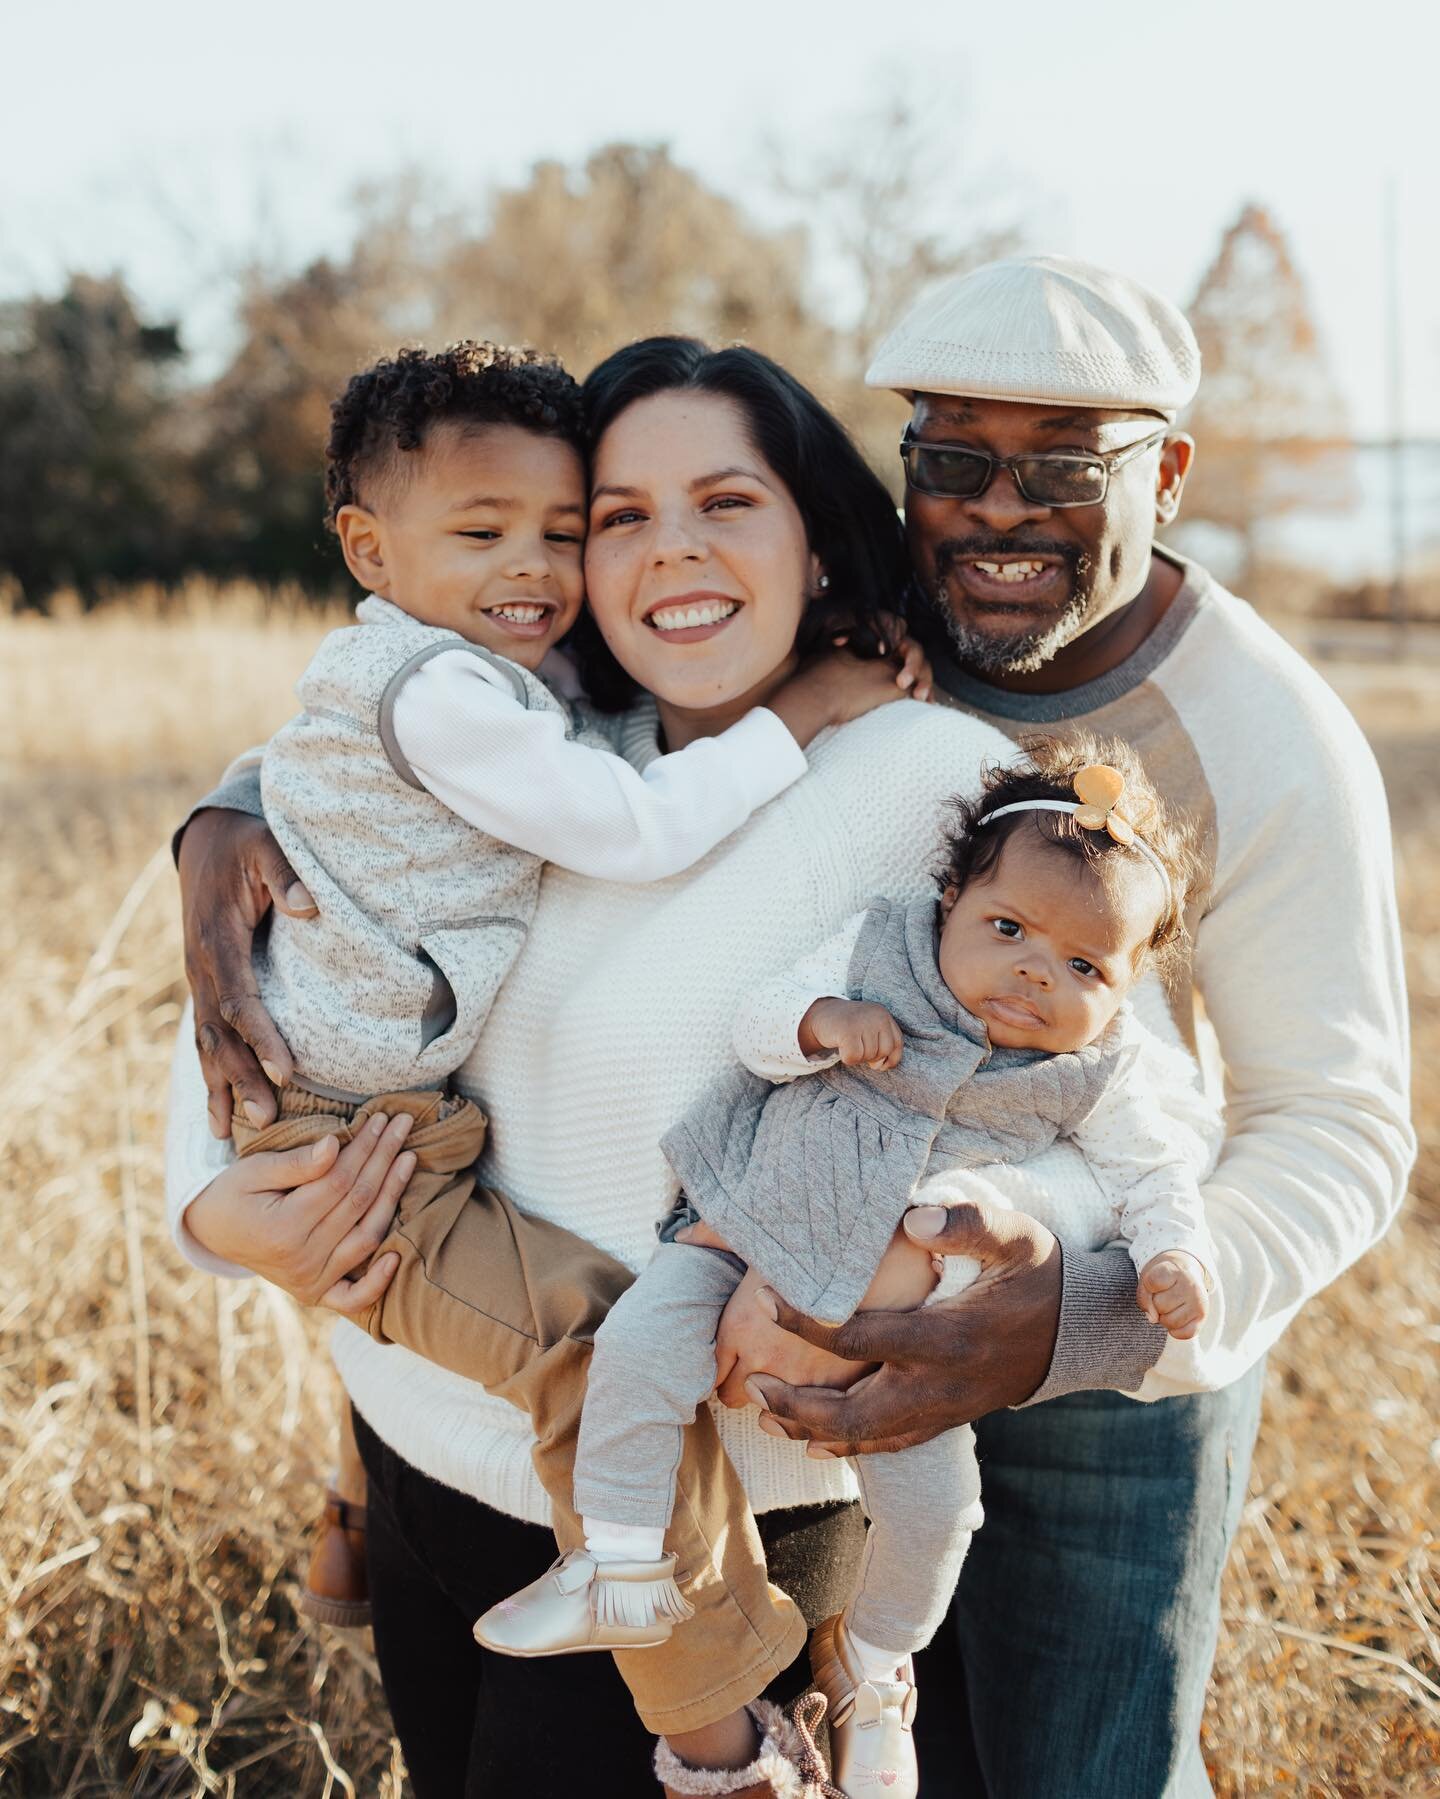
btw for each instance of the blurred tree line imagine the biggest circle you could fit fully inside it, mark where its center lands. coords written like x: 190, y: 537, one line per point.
x: 117, y: 465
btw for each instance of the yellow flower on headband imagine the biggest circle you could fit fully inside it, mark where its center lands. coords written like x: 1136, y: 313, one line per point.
x: 1100, y: 789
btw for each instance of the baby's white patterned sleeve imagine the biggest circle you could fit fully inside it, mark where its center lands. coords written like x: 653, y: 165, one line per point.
x: 767, y: 1021
x: 1150, y: 1163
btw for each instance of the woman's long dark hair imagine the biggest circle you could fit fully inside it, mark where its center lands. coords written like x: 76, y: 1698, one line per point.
x: 850, y: 520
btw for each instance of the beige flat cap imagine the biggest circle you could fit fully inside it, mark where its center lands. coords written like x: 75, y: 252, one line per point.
x: 1044, y: 330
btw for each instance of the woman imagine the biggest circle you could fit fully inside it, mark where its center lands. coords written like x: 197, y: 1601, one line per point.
x: 714, y: 474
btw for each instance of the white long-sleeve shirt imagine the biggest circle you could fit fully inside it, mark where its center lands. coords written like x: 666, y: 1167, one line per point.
x: 619, y: 1011
x: 515, y: 774
x: 1146, y: 1153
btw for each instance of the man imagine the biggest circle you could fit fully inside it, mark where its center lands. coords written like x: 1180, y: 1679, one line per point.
x: 1041, y: 457
x: 1087, y: 1614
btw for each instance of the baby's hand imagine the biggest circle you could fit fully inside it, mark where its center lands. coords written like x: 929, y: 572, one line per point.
x: 863, y: 1034
x: 1172, y: 1292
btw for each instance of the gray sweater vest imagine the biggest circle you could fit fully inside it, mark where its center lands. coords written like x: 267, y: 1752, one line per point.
x: 421, y: 915
x: 808, y: 1181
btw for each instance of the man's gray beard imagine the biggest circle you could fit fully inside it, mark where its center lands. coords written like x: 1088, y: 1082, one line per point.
x: 1023, y: 652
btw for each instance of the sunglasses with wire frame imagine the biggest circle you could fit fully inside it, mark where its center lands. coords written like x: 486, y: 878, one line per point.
x: 953, y: 472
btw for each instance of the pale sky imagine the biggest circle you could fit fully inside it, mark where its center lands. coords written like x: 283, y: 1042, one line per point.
x: 167, y: 140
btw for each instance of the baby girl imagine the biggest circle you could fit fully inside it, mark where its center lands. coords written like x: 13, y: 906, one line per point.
x: 933, y: 1038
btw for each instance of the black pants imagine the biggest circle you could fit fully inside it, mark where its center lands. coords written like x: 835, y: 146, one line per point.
x: 474, y: 1725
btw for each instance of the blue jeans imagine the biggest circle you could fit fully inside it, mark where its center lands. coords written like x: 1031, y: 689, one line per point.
x: 1076, y: 1657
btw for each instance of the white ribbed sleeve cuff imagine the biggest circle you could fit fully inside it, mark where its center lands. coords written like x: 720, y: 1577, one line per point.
x: 193, y: 1157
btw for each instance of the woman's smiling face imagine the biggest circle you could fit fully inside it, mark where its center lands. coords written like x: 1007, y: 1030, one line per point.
x: 697, y: 567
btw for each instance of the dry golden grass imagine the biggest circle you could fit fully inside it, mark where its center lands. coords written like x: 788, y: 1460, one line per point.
x: 161, y: 1434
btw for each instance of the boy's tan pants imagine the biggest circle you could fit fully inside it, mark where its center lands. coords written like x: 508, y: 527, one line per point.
x: 513, y: 1303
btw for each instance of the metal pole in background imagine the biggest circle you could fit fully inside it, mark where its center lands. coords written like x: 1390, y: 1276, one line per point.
x: 1399, y: 606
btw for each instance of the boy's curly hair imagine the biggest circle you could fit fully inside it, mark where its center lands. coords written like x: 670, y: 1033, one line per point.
x: 970, y: 850
x: 389, y: 408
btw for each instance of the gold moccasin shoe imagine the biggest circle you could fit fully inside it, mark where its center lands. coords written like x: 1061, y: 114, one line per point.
x: 580, y: 1604
x: 872, y: 1747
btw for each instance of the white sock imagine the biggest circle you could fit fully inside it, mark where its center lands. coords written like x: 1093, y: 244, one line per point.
x: 623, y: 1542
x: 875, y: 1664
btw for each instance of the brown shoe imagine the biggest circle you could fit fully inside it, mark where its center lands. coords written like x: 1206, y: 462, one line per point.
x: 336, y: 1588
x: 787, y: 1765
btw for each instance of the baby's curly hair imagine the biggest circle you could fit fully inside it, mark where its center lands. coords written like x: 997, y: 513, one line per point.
x: 970, y: 849
x: 388, y: 409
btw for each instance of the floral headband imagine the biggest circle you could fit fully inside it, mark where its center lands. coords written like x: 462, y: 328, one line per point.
x: 1099, y: 790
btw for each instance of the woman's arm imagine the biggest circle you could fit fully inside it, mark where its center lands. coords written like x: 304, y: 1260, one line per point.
x: 193, y: 1155
x: 303, y: 1219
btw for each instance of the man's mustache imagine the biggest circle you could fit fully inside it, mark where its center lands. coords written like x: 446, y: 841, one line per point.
x: 951, y: 550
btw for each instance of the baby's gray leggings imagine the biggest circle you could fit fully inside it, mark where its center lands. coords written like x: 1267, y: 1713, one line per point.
x: 654, y: 1364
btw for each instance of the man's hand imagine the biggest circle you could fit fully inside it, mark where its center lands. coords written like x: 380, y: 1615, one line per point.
x: 231, y: 873
x: 943, y: 1366
x: 862, y: 1034
x: 306, y: 1218
x: 749, y: 1339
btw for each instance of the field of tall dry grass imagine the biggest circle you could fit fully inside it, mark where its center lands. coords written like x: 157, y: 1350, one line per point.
x: 161, y: 1434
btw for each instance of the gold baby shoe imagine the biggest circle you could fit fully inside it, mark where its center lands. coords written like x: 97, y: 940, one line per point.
x: 578, y: 1604
x: 872, y: 1748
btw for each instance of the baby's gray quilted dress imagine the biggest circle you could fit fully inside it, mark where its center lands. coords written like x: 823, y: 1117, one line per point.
x: 808, y: 1181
